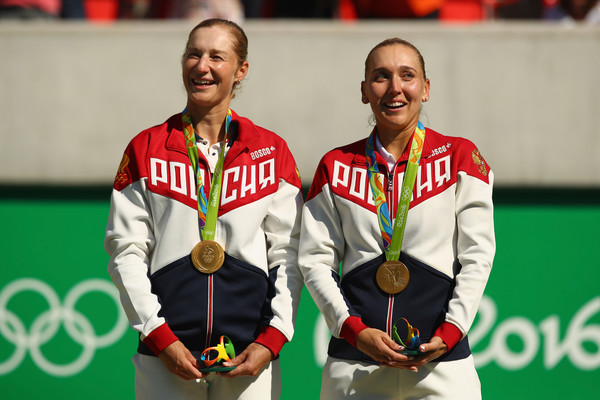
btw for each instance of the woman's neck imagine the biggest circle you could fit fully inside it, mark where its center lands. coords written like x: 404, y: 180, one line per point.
x: 395, y: 142
x: 209, y: 123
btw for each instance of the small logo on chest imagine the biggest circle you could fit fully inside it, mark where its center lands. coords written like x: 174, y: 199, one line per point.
x: 265, y: 151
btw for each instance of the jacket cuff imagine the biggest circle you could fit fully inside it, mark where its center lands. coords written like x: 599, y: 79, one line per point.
x: 160, y: 338
x: 449, y: 333
x: 351, y: 328
x: 272, y: 339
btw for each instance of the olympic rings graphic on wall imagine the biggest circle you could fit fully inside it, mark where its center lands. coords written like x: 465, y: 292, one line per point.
x: 45, y: 326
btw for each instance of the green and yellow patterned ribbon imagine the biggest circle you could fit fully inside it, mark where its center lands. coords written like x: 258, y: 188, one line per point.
x: 208, y: 209
x: 392, y: 237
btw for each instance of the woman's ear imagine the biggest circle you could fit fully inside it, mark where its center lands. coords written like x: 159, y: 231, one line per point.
x: 242, y: 71
x: 364, y: 97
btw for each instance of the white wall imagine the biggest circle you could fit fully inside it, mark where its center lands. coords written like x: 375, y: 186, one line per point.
x: 73, y: 95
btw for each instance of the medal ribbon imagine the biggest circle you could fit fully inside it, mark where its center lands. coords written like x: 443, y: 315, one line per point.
x: 392, y: 237
x: 207, y: 210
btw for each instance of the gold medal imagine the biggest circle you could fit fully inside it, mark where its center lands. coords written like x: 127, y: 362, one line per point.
x: 208, y: 256
x: 392, y: 276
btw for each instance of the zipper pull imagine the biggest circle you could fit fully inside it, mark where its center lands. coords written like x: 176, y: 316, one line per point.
x: 390, y: 182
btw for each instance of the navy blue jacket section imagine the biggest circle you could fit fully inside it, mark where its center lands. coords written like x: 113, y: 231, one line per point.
x: 423, y: 303
x: 241, y: 304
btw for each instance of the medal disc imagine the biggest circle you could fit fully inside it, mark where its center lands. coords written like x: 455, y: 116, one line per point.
x: 392, y: 276
x: 208, y: 256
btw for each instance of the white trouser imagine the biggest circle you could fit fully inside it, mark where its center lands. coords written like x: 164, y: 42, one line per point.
x: 449, y: 380
x: 154, y: 382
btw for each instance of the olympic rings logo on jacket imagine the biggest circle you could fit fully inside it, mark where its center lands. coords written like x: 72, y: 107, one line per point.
x: 46, y: 325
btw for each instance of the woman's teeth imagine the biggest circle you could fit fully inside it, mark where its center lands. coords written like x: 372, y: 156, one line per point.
x: 397, y: 104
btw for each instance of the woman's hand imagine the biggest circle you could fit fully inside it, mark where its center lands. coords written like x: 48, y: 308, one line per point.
x: 380, y: 347
x: 250, y: 362
x: 427, y: 352
x: 430, y: 351
x: 178, y: 359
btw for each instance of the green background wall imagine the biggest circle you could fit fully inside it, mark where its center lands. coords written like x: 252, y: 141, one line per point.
x: 537, y: 334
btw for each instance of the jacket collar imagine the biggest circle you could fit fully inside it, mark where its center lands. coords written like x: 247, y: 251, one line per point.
x: 243, y: 133
x: 361, y: 158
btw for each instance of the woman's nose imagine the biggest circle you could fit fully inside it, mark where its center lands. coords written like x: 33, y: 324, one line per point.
x: 395, y: 85
x: 202, y: 64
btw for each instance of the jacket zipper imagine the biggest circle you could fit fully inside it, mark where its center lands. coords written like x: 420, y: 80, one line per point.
x: 390, y: 194
x: 208, y: 177
x: 391, y: 208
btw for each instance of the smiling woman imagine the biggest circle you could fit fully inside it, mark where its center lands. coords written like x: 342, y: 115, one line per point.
x: 203, y: 233
x: 213, y: 65
x: 395, y: 86
x: 408, y: 214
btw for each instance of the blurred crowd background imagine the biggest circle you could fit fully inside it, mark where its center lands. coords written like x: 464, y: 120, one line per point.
x: 102, y: 11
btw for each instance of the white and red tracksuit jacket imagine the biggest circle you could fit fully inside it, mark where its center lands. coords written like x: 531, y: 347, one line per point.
x: 448, y: 244
x: 153, y: 226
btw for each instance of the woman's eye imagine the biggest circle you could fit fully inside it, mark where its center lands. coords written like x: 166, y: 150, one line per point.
x: 408, y: 76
